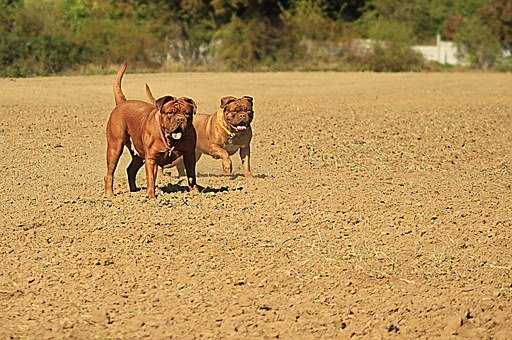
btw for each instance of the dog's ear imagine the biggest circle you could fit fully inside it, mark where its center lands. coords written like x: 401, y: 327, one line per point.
x: 192, y: 102
x: 249, y: 98
x: 226, y: 100
x: 160, y: 102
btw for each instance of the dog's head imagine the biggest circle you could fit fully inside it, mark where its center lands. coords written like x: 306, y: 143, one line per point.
x: 237, y: 111
x: 175, y: 115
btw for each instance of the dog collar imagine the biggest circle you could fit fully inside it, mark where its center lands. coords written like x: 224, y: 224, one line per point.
x: 225, y: 125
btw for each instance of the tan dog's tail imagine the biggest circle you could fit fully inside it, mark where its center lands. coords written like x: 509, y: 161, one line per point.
x: 118, y: 93
x: 149, y: 95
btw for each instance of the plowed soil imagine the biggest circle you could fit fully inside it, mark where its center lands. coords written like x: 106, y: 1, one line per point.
x: 381, y: 207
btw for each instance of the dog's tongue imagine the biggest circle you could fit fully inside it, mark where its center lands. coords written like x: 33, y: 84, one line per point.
x: 241, y: 128
x: 176, y: 135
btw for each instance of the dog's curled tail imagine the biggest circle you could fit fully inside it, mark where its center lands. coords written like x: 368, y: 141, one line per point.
x: 150, y: 96
x: 118, y: 92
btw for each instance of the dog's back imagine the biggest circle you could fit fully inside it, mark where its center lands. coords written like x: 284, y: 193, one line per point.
x: 127, y: 119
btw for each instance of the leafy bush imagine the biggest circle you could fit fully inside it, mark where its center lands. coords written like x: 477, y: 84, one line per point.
x: 504, y: 65
x: 310, y: 37
x: 390, y: 50
x: 497, y: 15
x: 52, y: 37
x: 113, y: 42
x: 236, y: 45
x: 306, y: 20
x: 391, y: 31
x: 55, y: 36
x: 478, y: 44
x: 36, y: 43
x: 242, y: 45
x: 393, y: 58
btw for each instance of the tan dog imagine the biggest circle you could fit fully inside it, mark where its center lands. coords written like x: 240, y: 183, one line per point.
x: 223, y: 133
x: 154, y: 134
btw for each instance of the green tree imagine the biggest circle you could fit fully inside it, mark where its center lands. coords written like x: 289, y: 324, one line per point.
x: 477, y: 43
x: 425, y: 17
x: 497, y: 15
x: 391, y: 50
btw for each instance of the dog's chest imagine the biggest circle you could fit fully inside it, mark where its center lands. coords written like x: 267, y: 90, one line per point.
x: 232, y: 145
x: 168, y: 157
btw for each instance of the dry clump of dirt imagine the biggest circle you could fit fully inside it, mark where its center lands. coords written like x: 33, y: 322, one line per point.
x: 380, y: 207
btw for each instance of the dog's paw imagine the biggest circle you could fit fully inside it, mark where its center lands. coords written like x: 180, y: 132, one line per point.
x: 150, y: 194
x: 195, y: 189
x: 227, y: 167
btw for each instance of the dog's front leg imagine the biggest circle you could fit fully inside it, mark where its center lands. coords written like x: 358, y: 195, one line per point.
x: 151, y: 171
x: 217, y: 152
x: 189, y: 160
x: 245, y: 157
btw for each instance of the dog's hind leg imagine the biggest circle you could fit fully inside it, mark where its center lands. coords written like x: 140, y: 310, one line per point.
x: 134, y: 166
x: 136, y: 163
x: 114, y: 150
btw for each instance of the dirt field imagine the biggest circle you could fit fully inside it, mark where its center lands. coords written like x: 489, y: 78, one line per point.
x: 381, y: 207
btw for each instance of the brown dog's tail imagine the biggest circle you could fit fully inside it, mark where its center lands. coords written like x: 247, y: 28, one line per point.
x: 149, y: 95
x: 118, y: 93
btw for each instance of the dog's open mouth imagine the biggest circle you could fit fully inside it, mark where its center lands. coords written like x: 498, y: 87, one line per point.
x: 240, y: 127
x: 176, y: 135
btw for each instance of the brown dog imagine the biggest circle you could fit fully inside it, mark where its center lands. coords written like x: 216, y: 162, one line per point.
x: 223, y: 133
x: 154, y: 134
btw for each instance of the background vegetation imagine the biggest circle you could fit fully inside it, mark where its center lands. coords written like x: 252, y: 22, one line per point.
x: 39, y: 37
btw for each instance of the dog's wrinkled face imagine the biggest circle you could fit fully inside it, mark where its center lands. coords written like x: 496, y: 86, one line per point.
x: 238, y: 111
x: 175, y: 115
